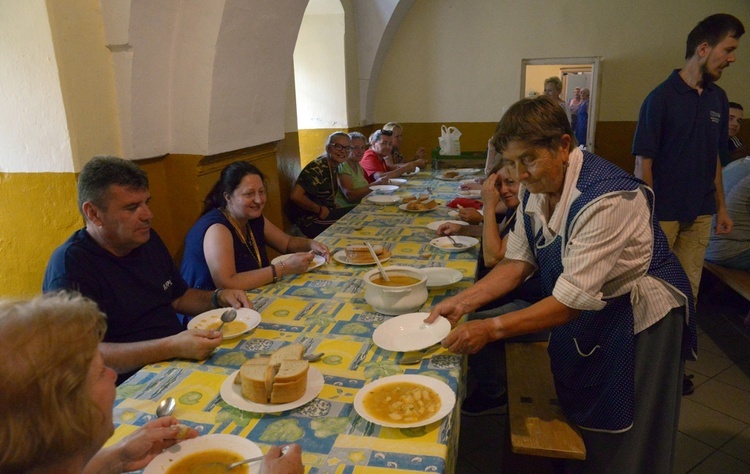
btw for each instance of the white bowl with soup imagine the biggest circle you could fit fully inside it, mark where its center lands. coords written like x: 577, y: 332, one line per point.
x: 405, y: 293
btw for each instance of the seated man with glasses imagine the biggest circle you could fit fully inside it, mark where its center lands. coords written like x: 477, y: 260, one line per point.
x: 312, y: 203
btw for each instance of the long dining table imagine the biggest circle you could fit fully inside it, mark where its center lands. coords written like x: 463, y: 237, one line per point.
x: 325, y: 310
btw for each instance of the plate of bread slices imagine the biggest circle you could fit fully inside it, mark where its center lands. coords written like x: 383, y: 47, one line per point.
x: 360, y: 255
x: 420, y: 203
x: 281, y: 382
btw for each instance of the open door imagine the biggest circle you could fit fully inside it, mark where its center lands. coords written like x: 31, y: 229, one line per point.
x: 574, y: 72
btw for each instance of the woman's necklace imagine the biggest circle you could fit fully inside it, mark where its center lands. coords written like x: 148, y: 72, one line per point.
x: 244, y: 236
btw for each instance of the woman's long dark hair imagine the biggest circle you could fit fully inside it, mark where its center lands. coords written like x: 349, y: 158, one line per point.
x: 230, y: 178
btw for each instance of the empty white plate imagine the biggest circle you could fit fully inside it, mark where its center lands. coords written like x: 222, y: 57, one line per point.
x: 409, y: 333
x: 384, y: 188
x: 442, y: 277
x: 383, y: 199
x: 444, y: 243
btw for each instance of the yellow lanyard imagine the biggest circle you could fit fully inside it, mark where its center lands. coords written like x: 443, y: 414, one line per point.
x: 255, y: 252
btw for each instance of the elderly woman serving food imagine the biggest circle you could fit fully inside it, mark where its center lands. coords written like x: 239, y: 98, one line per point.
x: 617, y: 300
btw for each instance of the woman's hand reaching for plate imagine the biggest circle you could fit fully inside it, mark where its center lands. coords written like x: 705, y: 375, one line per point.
x: 298, y: 263
x: 320, y: 249
x: 470, y: 215
x: 469, y: 337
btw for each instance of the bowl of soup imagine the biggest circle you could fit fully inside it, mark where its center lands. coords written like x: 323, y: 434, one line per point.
x: 405, y: 293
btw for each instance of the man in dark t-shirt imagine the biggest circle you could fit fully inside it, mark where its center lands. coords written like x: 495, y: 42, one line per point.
x: 118, y: 261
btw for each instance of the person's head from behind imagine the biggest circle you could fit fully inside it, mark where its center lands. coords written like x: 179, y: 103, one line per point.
x: 113, y: 199
x: 736, y: 114
x: 240, y: 190
x: 381, y: 142
x: 713, y: 42
x: 338, y: 147
x: 506, y: 186
x: 397, y: 132
x: 57, y: 396
x: 553, y: 87
x: 359, y: 146
x: 535, y: 137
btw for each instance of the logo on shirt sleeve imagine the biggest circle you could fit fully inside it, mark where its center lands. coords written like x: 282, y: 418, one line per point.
x: 166, y: 285
x: 715, y: 116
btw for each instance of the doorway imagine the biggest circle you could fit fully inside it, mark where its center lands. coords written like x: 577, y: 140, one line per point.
x: 580, y: 72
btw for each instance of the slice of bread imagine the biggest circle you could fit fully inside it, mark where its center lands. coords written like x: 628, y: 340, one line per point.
x: 292, y: 351
x: 253, y: 379
x: 361, y: 254
x: 281, y: 378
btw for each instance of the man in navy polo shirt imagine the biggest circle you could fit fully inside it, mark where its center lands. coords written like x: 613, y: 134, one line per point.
x: 118, y: 261
x: 682, y: 126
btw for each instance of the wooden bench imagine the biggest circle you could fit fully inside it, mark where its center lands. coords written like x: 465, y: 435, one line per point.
x: 537, y: 424
x: 738, y: 280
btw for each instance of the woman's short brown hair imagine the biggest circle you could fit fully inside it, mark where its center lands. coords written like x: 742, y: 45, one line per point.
x: 46, y: 348
x: 538, y: 122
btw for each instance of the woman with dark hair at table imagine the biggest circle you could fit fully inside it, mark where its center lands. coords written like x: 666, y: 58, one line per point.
x: 353, y: 183
x: 617, y: 300
x: 373, y: 162
x: 226, y: 247
x: 57, y: 396
x: 312, y: 203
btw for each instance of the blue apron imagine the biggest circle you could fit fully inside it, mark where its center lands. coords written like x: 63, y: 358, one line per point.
x: 593, y: 356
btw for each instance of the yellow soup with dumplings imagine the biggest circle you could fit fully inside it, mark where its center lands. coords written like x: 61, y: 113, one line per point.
x: 214, y: 461
x: 402, y: 402
x: 396, y: 280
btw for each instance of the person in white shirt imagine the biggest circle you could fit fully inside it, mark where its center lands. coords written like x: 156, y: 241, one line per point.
x: 617, y: 300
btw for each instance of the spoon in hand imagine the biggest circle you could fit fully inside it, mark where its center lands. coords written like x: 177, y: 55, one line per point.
x: 166, y: 407
x: 227, y: 317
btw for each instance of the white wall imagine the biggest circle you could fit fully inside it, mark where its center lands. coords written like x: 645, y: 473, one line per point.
x: 320, y: 72
x: 33, y: 128
x: 457, y: 60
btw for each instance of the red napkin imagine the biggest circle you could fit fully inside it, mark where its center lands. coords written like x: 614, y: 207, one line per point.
x: 465, y: 202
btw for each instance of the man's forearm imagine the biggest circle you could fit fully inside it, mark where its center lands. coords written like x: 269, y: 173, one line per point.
x: 643, y: 170
x: 719, y: 185
x: 124, y: 357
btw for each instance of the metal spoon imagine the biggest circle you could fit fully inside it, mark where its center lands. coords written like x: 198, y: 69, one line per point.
x: 456, y: 244
x: 166, y: 407
x: 377, y: 260
x: 227, y: 317
x: 256, y: 458
x: 313, y: 357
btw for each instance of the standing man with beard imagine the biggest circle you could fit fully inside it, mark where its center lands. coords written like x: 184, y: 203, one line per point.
x: 682, y: 126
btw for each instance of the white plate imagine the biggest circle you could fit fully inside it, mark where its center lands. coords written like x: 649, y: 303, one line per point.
x: 470, y: 193
x: 416, y: 170
x: 383, y: 199
x: 384, y: 188
x: 405, y: 333
x: 232, y: 394
x: 442, y: 277
x: 446, y: 394
x: 317, y: 261
x: 444, y: 244
x: 455, y: 178
x: 398, y: 181
x: 472, y: 183
x: 468, y: 171
x: 403, y: 208
x: 225, y: 442
x: 250, y: 318
x: 435, y: 224
x: 340, y: 257
x: 455, y: 213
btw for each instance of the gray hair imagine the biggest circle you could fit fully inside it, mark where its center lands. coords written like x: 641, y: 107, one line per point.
x: 334, y: 135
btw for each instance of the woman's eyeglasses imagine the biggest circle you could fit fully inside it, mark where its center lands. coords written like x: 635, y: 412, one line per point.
x: 339, y: 147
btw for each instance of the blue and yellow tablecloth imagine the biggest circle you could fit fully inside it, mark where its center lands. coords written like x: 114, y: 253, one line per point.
x: 325, y: 310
